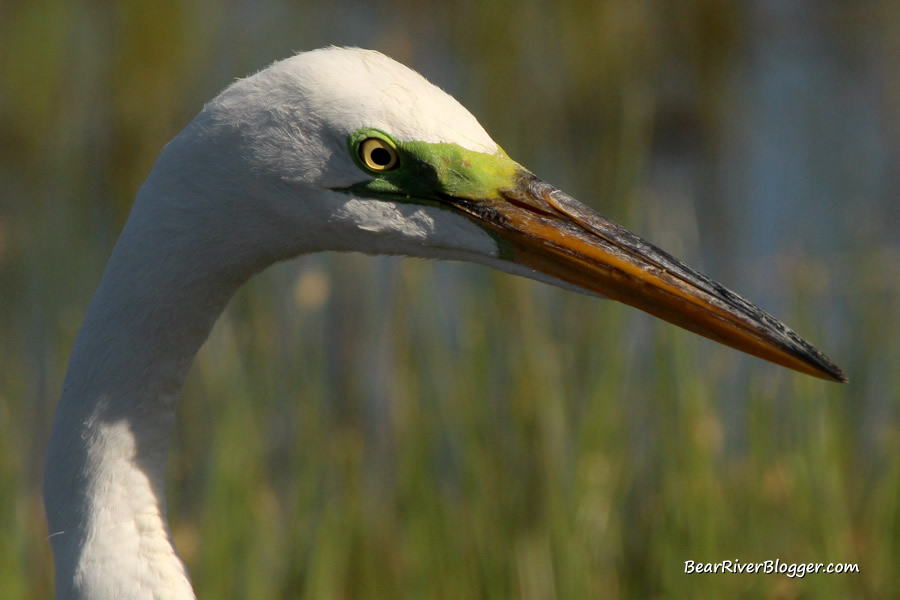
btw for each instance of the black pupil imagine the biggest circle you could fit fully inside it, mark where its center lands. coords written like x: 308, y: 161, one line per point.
x: 380, y: 156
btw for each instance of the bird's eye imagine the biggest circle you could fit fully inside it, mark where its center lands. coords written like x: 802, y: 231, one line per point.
x: 377, y: 154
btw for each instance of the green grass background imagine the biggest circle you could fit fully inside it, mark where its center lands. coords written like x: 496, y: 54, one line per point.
x: 369, y: 428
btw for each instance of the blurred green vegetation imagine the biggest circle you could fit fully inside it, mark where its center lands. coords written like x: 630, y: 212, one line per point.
x: 380, y: 428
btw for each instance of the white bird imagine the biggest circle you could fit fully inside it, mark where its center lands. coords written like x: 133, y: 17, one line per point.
x: 334, y: 149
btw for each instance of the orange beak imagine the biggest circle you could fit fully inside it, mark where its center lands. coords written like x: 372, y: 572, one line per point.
x: 543, y: 228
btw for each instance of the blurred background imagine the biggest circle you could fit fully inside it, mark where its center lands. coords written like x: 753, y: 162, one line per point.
x: 363, y: 427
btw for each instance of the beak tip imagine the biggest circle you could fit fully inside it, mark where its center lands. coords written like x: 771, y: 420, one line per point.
x: 838, y: 375
x: 817, y: 364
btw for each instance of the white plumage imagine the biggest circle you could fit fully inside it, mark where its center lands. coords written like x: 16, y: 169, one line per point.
x: 246, y: 184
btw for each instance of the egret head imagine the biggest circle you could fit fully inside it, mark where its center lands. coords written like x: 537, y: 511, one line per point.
x: 346, y: 149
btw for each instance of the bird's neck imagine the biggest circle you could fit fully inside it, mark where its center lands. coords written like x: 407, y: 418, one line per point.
x: 160, y: 294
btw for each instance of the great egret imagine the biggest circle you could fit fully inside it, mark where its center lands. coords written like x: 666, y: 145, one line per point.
x: 334, y: 149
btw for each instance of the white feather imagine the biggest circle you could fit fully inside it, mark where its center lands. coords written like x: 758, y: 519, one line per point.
x: 246, y: 184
